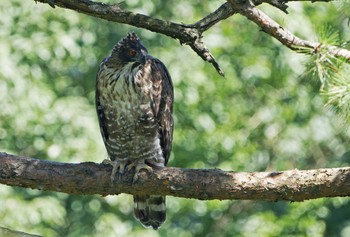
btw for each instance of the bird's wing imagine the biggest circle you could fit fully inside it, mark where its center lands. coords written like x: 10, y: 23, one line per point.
x: 163, y: 98
x: 100, y: 112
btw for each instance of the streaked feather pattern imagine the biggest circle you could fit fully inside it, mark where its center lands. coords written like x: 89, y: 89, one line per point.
x: 134, y: 103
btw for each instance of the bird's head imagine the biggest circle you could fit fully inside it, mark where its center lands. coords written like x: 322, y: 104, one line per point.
x: 129, y: 49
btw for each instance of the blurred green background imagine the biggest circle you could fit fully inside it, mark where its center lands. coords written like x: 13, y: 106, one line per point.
x: 265, y: 116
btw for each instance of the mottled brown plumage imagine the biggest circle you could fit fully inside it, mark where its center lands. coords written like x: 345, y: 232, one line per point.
x: 134, y: 103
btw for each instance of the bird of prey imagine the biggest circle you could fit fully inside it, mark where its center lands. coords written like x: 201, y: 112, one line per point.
x: 134, y: 103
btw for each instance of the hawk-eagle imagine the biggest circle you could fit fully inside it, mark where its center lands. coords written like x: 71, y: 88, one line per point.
x: 134, y: 103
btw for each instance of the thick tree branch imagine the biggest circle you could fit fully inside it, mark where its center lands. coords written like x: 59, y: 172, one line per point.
x: 204, y: 184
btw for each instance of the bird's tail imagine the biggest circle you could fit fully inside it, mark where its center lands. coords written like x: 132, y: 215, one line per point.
x: 150, y: 210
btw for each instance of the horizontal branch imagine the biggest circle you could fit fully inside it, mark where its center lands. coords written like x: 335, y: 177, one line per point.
x: 205, y: 184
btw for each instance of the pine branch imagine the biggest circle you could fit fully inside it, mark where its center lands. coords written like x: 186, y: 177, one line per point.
x: 191, y: 34
x: 205, y: 184
x: 272, y: 28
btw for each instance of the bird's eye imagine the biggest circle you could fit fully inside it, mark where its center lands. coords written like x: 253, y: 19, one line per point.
x: 132, y: 53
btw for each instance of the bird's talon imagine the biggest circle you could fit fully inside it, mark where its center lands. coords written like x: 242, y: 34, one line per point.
x: 118, y: 168
x: 106, y: 162
x: 139, y: 166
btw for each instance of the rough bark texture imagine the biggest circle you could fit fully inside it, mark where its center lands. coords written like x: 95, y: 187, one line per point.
x: 191, y: 34
x: 205, y: 184
x: 91, y: 178
x: 186, y: 34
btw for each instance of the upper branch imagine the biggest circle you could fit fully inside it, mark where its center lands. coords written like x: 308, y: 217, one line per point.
x: 191, y: 34
x: 222, y: 13
x: 186, y: 34
x: 205, y: 184
x: 272, y: 28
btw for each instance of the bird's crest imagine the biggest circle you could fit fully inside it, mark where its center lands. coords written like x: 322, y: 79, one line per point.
x: 130, y: 40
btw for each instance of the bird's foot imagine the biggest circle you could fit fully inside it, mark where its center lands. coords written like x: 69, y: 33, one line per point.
x: 118, y: 167
x: 139, y: 164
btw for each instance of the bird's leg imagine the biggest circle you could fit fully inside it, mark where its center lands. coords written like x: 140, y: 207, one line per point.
x: 138, y: 164
x: 117, y: 165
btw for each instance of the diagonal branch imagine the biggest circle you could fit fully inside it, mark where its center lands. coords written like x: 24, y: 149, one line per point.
x: 186, y: 34
x: 272, y: 28
x: 204, y: 184
x: 191, y: 34
x: 222, y: 13
x: 13, y: 233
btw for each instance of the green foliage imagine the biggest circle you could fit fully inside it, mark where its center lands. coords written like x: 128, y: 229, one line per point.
x: 322, y: 64
x: 338, y: 94
x: 332, y: 72
x: 263, y: 116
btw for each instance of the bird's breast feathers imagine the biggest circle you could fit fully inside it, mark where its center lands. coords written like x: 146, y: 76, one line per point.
x: 127, y: 89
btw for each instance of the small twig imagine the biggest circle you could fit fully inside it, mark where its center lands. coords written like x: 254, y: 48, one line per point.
x: 199, y: 47
x: 6, y: 232
x: 222, y: 13
x: 280, y: 4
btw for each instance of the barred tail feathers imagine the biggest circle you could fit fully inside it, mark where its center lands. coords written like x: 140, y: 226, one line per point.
x: 150, y: 210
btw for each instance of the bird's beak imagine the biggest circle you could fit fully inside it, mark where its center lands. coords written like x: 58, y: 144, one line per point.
x: 141, y: 58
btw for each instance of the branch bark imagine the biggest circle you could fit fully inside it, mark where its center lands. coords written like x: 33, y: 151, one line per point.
x: 186, y: 34
x: 191, y: 34
x: 272, y: 28
x: 205, y: 184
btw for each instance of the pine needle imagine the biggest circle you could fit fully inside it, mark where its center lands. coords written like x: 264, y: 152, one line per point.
x: 332, y: 72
